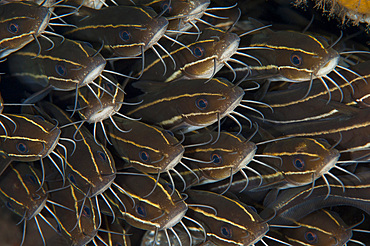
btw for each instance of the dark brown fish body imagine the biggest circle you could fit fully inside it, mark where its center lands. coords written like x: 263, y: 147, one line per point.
x: 295, y: 162
x: 352, y: 127
x: 67, y: 66
x: 114, y: 27
x: 20, y: 22
x: 293, y: 204
x: 162, y: 153
x: 321, y: 227
x: 219, y: 160
x: 158, y: 211
x: 229, y: 16
x: 189, y: 104
x: 234, y: 224
x: 179, y: 14
x: 78, y: 230
x: 33, y: 139
x: 303, y: 160
x: 21, y: 191
x: 205, y: 58
x: 291, y: 105
x: 361, y: 88
x: 289, y: 56
x: 97, y: 171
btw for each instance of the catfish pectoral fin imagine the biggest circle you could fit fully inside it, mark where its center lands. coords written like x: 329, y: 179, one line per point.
x: 270, y: 197
x: 271, y: 185
x: 5, y: 160
x: 38, y: 96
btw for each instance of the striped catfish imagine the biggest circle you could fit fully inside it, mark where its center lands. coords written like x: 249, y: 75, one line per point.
x: 198, y: 59
x: 20, y: 23
x: 295, y: 203
x: 77, y: 217
x: 181, y: 15
x: 97, y: 171
x: 33, y: 138
x: 189, y: 104
x: 226, y: 221
x: 288, y: 56
x: 321, y: 227
x: 157, y: 211
x: 116, y: 30
x: 67, y: 66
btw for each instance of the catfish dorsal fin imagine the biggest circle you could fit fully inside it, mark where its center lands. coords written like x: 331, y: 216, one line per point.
x: 265, y: 135
x: 258, y: 24
x: 270, y: 197
x: 344, y: 109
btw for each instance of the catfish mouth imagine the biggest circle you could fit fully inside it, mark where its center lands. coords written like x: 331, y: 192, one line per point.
x: 48, y: 149
x: 101, y: 114
x: 245, y: 161
x: 233, y: 105
x: 330, y: 163
x: 44, y: 23
x: 258, y: 235
x: 158, y: 34
x: 230, y: 49
x: 175, y: 160
x: 257, y: 239
x: 92, y: 75
x: 37, y: 210
x: 197, y: 12
x: 175, y: 219
x: 328, y: 66
x: 103, y: 186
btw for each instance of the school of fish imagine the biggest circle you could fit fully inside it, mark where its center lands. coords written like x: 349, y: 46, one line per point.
x: 184, y: 122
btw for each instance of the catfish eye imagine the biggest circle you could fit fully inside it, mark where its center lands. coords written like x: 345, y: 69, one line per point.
x: 21, y: 147
x: 71, y: 178
x: 144, y: 156
x: 141, y: 210
x: 253, y: 208
x: 109, y: 87
x: 226, y: 231
x: 30, y: 178
x: 310, y: 237
x: 168, y: 8
x: 61, y: 69
x: 102, y: 156
x: 298, y: 163
x: 198, y: 51
x: 9, y: 205
x: 201, y: 103
x: 216, y: 158
x: 88, y: 44
x: 296, y: 59
x: 86, y: 212
x: 13, y: 28
x: 170, y: 133
x: 169, y: 186
x: 125, y: 35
